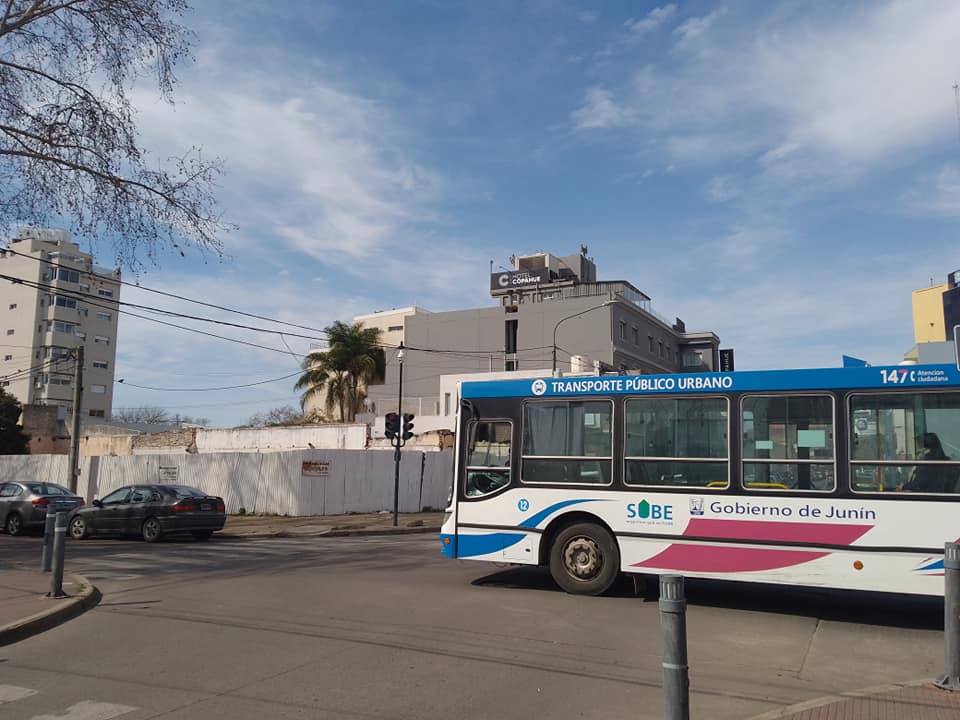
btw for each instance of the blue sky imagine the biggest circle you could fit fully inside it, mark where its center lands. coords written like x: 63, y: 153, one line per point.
x: 782, y: 173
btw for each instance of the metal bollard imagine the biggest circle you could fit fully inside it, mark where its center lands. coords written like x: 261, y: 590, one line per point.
x: 47, y: 542
x: 59, y: 546
x: 673, y: 621
x: 951, y: 618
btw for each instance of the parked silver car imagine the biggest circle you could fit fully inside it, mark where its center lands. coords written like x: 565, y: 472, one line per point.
x: 25, y: 504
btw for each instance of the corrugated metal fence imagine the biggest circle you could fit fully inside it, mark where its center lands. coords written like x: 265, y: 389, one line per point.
x: 307, y: 482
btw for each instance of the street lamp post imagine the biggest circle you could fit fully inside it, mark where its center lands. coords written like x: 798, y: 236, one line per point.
x: 570, y: 317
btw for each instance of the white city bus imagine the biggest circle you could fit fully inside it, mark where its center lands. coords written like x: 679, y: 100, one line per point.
x: 840, y: 478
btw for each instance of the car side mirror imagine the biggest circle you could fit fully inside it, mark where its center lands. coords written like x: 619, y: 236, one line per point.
x: 97, y: 503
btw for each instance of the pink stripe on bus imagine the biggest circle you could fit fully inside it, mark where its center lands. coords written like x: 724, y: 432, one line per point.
x: 707, y: 558
x: 827, y: 534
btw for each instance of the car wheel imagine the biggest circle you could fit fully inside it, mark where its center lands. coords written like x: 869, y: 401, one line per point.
x: 584, y: 559
x: 202, y: 535
x: 78, y: 528
x: 151, y: 530
x: 14, y: 524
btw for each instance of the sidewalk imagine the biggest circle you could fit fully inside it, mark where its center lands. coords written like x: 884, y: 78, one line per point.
x: 920, y: 700
x: 26, y: 610
x: 260, y: 526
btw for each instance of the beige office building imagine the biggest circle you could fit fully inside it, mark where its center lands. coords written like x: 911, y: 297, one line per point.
x: 63, y: 302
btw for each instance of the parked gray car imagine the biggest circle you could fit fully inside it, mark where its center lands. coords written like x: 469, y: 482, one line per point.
x: 25, y: 504
x: 151, y: 511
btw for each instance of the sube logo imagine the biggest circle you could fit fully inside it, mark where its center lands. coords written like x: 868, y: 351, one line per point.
x: 649, y: 511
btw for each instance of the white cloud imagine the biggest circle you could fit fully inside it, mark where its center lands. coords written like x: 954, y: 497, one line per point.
x: 810, y: 95
x: 599, y: 111
x: 587, y: 17
x: 653, y: 19
x: 722, y: 189
x: 937, y: 194
x: 693, y: 28
x: 322, y: 169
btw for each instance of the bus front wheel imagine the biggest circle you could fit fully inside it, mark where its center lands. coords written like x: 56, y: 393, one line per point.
x: 584, y: 559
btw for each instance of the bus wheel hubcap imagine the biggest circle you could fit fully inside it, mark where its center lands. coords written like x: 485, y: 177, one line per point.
x: 582, y: 558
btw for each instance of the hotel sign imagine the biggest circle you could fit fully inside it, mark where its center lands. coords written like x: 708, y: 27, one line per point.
x: 518, y: 280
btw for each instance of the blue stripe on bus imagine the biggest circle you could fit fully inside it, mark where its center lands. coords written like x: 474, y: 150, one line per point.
x: 534, y: 520
x: 911, y: 376
x: 473, y: 545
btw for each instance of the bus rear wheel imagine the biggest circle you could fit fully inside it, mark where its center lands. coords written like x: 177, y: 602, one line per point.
x: 584, y: 559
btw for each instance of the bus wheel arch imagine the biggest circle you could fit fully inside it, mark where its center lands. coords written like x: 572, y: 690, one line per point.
x: 582, y: 553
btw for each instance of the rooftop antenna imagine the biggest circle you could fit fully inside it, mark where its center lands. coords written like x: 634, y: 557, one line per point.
x: 956, y: 97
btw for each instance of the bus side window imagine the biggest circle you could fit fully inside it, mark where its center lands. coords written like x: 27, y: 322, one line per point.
x: 488, y: 458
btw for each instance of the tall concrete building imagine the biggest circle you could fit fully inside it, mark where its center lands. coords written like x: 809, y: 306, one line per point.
x: 63, y: 301
x: 545, y: 306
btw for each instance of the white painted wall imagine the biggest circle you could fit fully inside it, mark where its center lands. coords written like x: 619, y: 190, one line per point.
x: 272, y: 439
x: 274, y: 483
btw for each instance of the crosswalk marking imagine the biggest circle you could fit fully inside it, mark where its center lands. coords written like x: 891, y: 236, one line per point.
x: 89, y: 710
x: 12, y: 693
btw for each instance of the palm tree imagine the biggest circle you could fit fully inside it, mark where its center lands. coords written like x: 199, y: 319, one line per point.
x: 353, y: 361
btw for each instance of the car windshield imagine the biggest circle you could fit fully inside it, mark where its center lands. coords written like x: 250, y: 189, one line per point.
x: 182, y: 491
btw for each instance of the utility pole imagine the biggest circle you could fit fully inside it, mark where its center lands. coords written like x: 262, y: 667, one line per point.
x: 396, y: 451
x: 73, y: 470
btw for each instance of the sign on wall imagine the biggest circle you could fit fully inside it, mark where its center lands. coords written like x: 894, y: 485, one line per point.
x: 169, y: 474
x: 515, y: 280
x: 312, y: 468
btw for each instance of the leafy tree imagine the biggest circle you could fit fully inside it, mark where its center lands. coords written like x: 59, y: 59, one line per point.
x: 13, y: 441
x: 69, y: 146
x: 353, y: 361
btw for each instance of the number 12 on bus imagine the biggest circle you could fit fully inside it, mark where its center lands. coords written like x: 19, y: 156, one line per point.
x: 839, y: 478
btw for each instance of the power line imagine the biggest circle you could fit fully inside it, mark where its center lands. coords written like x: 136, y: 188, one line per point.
x: 170, y: 295
x: 207, y: 389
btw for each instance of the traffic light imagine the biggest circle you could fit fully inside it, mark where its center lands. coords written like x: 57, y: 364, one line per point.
x: 407, y: 426
x: 391, y: 425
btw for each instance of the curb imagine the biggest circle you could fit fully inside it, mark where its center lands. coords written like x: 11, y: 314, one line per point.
x: 40, y: 622
x: 840, y: 697
x: 360, y: 532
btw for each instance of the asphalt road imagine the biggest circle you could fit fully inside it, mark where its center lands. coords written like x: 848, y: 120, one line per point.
x: 381, y: 627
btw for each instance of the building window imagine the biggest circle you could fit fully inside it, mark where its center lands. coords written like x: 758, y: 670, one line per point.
x: 98, y: 389
x: 446, y: 404
x: 623, y: 330
x: 97, y: 413
x: 104, y: 293
x: 64, y: 327
x: 56, y: 352
x: 104, y: 316
x: 567, y: 442
x: 9, y: 332
x: 395, y: 328
x: 660, y: 346
x: 650, y: 342
x: 8, y: 357
x: 13, y: 306
x: 692, y: 358
x: 101, y: 340
x: 510, y: 328
x: 65, y: 302
x: 68, y: 275
x: 636, y: 336
x: 100, y: 364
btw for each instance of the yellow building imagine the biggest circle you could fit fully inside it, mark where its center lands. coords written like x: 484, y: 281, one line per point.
x: 928, y: 314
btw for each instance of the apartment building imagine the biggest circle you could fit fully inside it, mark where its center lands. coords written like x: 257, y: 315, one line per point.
x: 551, y: 315
x: 58, y: 301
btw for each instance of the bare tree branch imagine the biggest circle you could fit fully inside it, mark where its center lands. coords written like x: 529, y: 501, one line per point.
x: 69, y: 145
